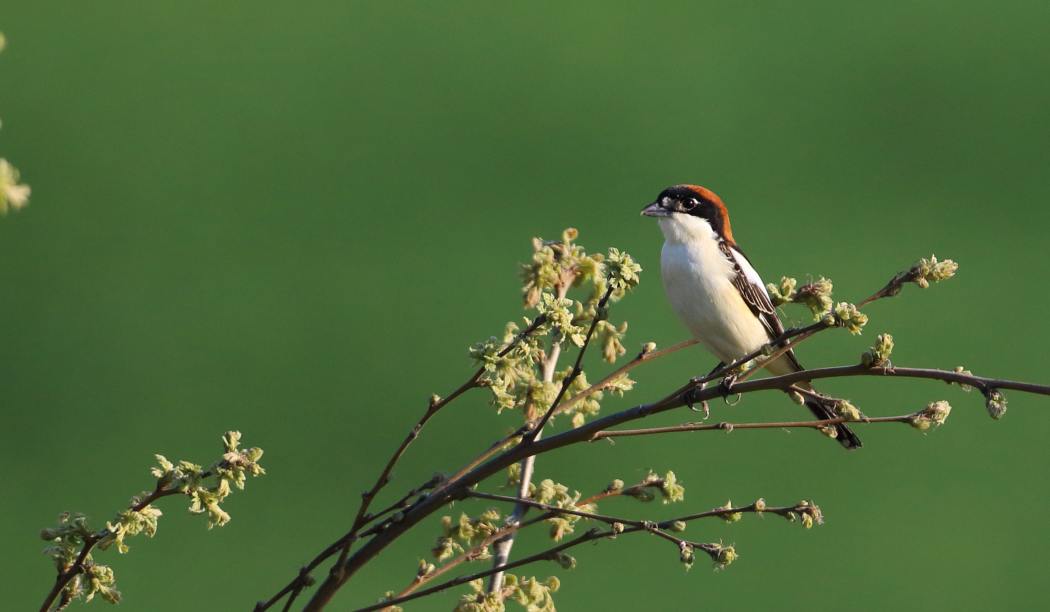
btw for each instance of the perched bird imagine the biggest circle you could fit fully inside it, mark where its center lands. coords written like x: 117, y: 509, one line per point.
x: 716, y: 291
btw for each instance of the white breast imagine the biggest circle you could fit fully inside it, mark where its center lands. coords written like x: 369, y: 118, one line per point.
x: 698, y: 279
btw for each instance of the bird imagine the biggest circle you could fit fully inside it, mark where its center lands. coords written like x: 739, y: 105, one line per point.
x: 718, y: 294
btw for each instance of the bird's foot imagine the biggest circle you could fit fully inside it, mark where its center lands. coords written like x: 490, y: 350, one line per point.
x: 691, y: 399
x: 726, y: 386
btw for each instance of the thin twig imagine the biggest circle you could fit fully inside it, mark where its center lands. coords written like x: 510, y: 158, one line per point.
x: 477, y: 550
x: 493, y: 449
x: 728, y: 427
x: 78, y: 566
x: 618, y: 373
x: 629, y: 526
x: 577, y: 369
x: 342, y: 545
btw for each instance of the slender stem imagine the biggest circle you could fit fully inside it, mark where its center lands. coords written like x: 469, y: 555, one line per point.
x: 470, y: 555
x: 618, y: 373
x: 629, y: 526
x: 778, y: 352
x: 727, y: 427
x: 342, y: 545
x: 433, y: 408
x: 509, y: 529
x: 773, y: 344
x: 495, y: 448
x: 577, y: 368
x: 549, y: 508
x: 79, y: 565
x: 549, y: 554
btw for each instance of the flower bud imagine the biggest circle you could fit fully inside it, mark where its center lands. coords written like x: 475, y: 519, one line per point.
x: 934, y: 415
x: 995, y: 402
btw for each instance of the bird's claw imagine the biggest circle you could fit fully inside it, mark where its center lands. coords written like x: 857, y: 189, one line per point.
x: 726, y: 386
x: 690, y: 400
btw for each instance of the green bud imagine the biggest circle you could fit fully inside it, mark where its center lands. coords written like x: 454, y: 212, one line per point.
x: 879, y: 354
x: 784, y: 293
x: 565, y: 561
x: 928, y: 270
x: 962, y: 370
x: 848, y: 411
x: 730, y: 517
x: 847, y: 315
x: 686, y: 554
x: 995, y: 402
x: 671, y: 490
x: 816, y: 296
x: 809, y: 513
x: 725, y: 556
x: 934, y: 415
x: 622, y: 273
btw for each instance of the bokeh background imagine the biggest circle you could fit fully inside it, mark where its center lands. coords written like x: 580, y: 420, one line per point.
x: 293, y: 218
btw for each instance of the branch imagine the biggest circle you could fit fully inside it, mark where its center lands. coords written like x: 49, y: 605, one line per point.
x: 577, y: 369
x: 72, y: 542
x: 90, y: 541
x: 642, y: 357
x: 618, y: 526
x: 510, y: 529
x: 342, y: 545
x: 729, y: 427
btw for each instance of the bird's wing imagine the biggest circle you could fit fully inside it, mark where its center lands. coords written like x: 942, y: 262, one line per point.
x: 753, y: 290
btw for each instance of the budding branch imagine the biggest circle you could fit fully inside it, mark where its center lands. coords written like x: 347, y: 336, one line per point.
x: 524, y: 443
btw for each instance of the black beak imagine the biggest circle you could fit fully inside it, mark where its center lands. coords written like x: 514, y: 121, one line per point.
x: 655, y: 210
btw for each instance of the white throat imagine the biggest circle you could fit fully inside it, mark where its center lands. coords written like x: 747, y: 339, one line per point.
x: 687, y: 229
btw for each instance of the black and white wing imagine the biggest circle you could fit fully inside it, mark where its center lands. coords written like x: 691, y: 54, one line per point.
x: 753, y: 290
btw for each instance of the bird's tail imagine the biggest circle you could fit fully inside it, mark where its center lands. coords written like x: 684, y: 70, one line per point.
x: 825, y: 409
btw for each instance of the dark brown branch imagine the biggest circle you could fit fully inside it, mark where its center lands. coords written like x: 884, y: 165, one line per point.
x: 620, y: 372
x: 477, y: 550
x: 629, y: 526
x: 363, y: 518
x: 728, y: 427
x: 547, y: 555
x: 79, y: 565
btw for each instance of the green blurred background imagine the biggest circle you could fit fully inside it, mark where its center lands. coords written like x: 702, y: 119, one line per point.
x: 292, y: 219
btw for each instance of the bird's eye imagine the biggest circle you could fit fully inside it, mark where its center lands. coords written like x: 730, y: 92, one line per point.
x: 692, y: 203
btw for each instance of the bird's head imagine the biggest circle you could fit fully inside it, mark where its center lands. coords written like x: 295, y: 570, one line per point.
x: 690, y: 205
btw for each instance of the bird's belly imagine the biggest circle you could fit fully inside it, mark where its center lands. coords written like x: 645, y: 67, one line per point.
x: 708, y: 303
